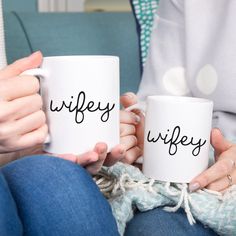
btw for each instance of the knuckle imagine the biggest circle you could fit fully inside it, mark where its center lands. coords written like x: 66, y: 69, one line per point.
x: 128, y: 158
x: 41, y: 136
x: 42, y: 116
x: 204, y: 180
x: 129, y: 117
x: 4, y: 112
x: 3, y: 132
x: 132, y: 129
x: 126, y: 129
x: 134, y: 140
x: 34, y: 82
x: 211, y: 186
x: 125, y: 116
x: 223, y: 167
x: 122, y: 129
x: 122, y: 113
x: 38, y: 100
x: 4, y: 89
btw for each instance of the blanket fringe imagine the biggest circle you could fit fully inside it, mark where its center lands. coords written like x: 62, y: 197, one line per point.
x: 111, y: 187
x: 184, y: 199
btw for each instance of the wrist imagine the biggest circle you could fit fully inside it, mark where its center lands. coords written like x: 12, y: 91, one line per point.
x: 8, y: 157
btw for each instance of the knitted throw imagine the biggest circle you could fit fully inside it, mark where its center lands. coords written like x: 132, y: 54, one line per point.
x: 125, y: 187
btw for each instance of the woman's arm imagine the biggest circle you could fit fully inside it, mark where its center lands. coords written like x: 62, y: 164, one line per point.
x: 22, y: 121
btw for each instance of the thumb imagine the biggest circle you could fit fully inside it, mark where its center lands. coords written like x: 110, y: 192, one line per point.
x: 128, y: 99
x: 219, y: 143
x: 21, y: 65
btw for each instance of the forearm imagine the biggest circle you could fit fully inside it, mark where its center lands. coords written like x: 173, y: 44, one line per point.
x: 8, y: 157
x: 12, y: 156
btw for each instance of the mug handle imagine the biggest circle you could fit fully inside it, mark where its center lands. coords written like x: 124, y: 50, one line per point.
x: 142, y: 107
x: 38, y: 72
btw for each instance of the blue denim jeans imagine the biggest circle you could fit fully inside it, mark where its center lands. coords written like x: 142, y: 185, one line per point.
x: 47, y: 196
x: 158, y: 222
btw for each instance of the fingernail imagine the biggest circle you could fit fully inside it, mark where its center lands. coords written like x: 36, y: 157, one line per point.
x: 137, y: 119
x: 33, y: 54
x: 193, y: 187
x: 102, y: 150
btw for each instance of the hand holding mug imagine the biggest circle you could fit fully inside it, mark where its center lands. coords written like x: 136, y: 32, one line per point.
x: 22, y: 121
x: 95, y: 159
x: 81, y: 101
x: 131, y: 129
x: 222, y: 174
x: 176, y: 137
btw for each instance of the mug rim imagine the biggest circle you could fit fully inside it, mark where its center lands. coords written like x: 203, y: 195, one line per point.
x: 179, y: 99
x: 81, y: 57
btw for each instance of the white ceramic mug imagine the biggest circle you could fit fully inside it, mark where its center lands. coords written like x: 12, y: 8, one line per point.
x: 81, y: 101
x: 176, y: 137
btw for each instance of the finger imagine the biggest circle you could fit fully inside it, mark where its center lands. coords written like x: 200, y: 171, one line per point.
x: 29, y: 123
x: 19, y: 66
x: 126, y: 129
x: 18, y: 87
x: 128, y: 117
x: 223, y: 183
x: 116, y: 154
x: 140, y: 131
x: 219, y: 143
x: 132, y: 155
x: 219, y: 170
x: 22, y: 126
x: 20, y: 107
x: 101, y: 150
x: 87, y: 158
x: 31, y: 139
x: 67, y: 157
x: 128, y: 99
x: 128, y: 141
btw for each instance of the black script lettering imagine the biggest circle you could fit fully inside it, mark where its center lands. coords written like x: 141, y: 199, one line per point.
x: 175, y: 138
x: 197, y: 149
x: 81, y: 106
x: 155, y: 140
x: 173, y: 141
